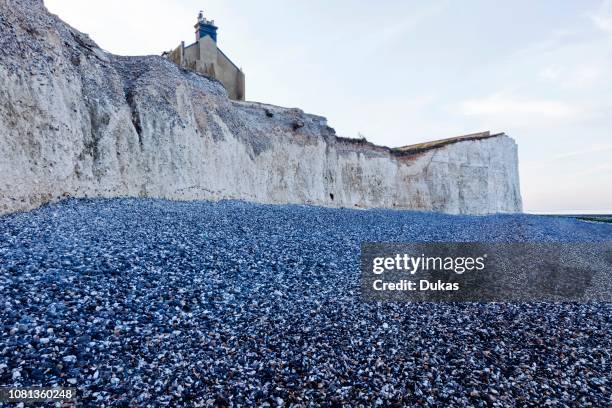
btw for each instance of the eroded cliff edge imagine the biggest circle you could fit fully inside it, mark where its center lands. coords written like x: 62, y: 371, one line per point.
x: 76, y: 121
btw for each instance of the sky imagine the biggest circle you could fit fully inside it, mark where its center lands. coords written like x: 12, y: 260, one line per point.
x: 403, y: 72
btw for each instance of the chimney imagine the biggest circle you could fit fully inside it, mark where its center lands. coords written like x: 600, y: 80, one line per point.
x: 205, y: 27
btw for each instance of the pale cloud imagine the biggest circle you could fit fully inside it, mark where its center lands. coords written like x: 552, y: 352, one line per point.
x: 556, y: 40
x: 551, y: 73
x: 588, y: 75
x: 390, y: 33
x: 603, y: 22
x: 602, y: 18
x: 592, y: 149
x: 576, y: 77
x: 520, y: 109
x: 601, y: 168
x: 573, y: 58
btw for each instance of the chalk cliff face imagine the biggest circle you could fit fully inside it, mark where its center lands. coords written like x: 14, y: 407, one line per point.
x: 76, y: 121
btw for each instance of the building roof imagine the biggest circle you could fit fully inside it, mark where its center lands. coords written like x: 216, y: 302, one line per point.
x: 434, y: 144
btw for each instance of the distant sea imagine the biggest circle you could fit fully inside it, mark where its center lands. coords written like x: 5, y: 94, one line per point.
x: 607, y: 218
x: 602, y: 213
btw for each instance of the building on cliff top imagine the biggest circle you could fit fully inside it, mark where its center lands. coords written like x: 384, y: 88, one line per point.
x: 205, y: 57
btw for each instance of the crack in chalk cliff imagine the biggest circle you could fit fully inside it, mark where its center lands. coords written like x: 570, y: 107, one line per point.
x: 89, y: 45
x: 135, y: 116
x: 98, y: 123
x: 130, y: 73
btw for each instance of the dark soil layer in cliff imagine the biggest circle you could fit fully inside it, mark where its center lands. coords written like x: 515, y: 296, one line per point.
x: 151, y: 302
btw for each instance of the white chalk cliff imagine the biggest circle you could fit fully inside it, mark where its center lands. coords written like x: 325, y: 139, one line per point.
x: 77, y: 121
